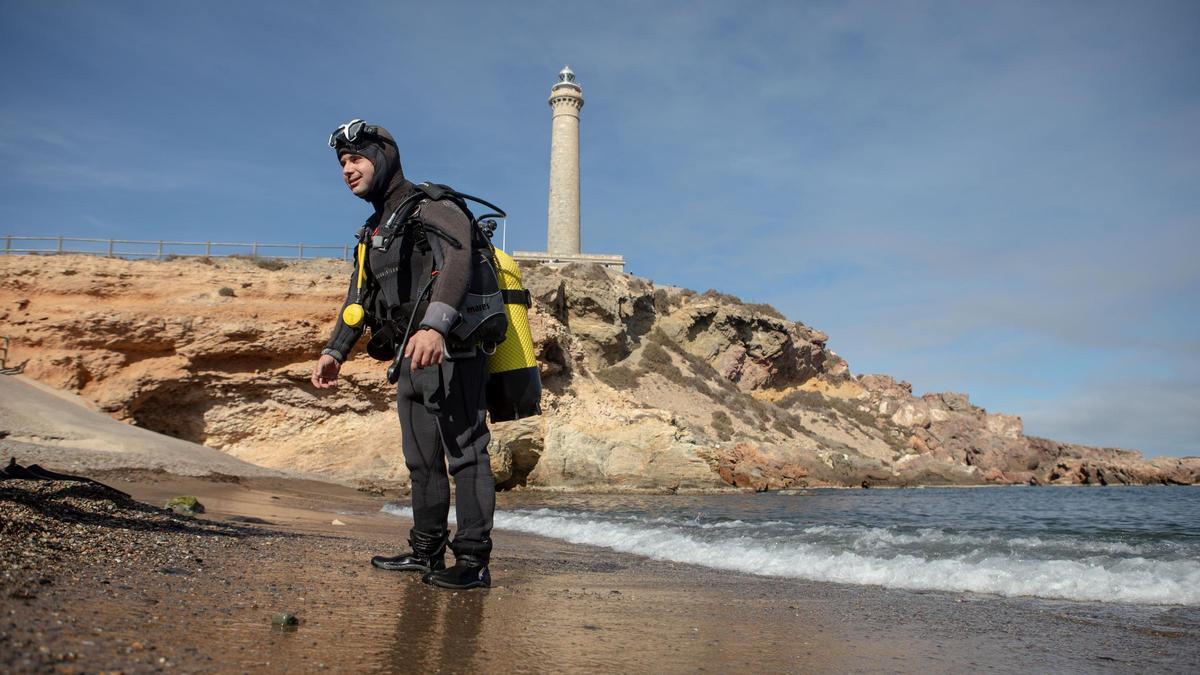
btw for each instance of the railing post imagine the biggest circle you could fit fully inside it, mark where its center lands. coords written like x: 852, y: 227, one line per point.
x: 254, y: 250
x: 160, y: 250
x: 110, y: 248
x: 60, y: 240
x: 207, y: 249
x: 302, y: 251
x: 8, y: 244
x: 345, y: 251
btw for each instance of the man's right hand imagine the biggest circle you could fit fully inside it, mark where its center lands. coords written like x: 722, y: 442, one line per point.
x: 325, y: 373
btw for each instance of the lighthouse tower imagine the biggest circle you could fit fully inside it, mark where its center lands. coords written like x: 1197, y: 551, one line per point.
x: 562, y: 216
x: 566, y: 100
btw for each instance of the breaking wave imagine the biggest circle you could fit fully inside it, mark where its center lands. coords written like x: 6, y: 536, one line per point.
x: 1066, y: 568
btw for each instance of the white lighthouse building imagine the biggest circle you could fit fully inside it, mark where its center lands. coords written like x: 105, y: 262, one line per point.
x: 562, y: 216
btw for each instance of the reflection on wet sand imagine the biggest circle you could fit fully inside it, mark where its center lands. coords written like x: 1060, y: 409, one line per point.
x: 435, y: 629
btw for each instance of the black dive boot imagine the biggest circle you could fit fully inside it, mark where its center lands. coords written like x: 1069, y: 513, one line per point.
x: 428, y: 555
x: 469, y: 571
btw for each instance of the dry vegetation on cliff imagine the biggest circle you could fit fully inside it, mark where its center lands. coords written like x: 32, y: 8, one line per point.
x: 647, y: 388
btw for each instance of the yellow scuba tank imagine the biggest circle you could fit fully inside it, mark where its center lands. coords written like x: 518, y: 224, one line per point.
x: 514, y: 388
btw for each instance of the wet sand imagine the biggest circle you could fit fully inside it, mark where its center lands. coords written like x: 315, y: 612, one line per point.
x: 554, y: 606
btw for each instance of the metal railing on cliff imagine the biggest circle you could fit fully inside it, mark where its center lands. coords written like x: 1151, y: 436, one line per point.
x: 161, y: 249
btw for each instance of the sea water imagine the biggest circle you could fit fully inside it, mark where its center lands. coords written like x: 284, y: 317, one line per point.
x: 1134, y: 545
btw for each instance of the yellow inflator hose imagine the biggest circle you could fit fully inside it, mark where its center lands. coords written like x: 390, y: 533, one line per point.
x: 353, y: 314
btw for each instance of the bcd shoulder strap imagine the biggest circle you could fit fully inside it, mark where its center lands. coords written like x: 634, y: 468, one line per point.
x: 438, y: 191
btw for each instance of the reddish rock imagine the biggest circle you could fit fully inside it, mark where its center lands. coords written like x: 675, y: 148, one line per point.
x: 994, y: 475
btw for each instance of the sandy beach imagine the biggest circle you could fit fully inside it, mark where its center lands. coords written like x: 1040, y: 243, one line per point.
x: 112, y: 588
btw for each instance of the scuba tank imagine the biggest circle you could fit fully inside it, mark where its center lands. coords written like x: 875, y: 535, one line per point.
x: 514, y: 387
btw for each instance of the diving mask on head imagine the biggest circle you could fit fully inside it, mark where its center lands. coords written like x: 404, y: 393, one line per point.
x: 354, y: 133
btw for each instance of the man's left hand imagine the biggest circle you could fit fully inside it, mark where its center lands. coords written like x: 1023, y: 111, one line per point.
x: 426, y: 347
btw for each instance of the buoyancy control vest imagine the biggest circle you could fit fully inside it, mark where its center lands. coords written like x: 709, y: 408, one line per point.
x: 493, y: 315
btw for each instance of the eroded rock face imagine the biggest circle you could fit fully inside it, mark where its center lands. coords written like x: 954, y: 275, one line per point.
x: 515, y: 450
x: 646, y: 388
x: 912, y: 414
x: 1005, y: 426
x: 753, y: 347
x: 641, y: 454
x: 760, y: 468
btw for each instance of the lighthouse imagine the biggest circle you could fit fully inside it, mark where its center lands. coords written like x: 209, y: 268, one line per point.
x: 562, y: 229
x: 562, y: 215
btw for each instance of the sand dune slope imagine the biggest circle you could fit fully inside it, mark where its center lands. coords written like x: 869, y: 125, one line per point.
x: 39, y: 424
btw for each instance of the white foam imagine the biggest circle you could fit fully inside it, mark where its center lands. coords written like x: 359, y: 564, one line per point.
x: 868, y: 538
x: 1095, y: 578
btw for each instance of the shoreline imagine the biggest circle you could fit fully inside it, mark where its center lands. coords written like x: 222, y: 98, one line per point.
x: 554, y: 606
x: 795, y: 491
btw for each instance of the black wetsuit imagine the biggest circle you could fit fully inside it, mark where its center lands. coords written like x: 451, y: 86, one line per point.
x: 441, y: 407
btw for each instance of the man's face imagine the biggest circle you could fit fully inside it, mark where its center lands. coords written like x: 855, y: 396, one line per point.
x: 357, y: 171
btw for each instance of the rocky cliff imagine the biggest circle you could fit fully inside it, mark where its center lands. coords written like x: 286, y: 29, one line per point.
x: 646, y: 387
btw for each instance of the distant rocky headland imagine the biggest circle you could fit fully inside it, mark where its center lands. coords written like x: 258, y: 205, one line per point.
x: 647, y: 388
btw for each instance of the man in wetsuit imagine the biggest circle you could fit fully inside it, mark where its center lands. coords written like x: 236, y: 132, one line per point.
x: 440, y: 394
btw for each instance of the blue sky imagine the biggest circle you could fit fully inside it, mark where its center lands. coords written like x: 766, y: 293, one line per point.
x: 998, y: 198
